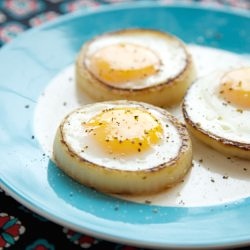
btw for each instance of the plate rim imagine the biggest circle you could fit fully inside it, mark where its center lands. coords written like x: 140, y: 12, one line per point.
x: 131, y: 5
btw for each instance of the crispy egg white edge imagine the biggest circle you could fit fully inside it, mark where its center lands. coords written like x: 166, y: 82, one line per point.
x: 77, y: 139
x: 171, y: 53
x: 205, y: 107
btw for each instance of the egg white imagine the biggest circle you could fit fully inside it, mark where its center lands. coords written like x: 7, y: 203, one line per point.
x: 77, y: 139
x: 169, y: 50
x: 164, y: 165
x: 213, y: 114
x: 174, y: 72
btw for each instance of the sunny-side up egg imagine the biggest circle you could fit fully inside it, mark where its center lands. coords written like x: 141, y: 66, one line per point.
x: 135, y: 64
x: 216, y: 109
x: 123, y: 147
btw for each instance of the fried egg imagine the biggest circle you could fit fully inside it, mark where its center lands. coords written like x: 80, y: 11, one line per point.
x: 217, y: 111
x: 123, y: 147
x: 135, y: 64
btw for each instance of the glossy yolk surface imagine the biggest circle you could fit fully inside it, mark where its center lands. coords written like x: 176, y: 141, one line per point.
x: 121, y: 63
x: 235, y: 87
x: 125, y: 130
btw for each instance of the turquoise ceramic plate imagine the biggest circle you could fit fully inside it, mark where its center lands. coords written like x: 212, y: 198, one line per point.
x: 27, y: 66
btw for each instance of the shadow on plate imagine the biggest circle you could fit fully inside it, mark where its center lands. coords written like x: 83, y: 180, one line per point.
x: 106, y: 206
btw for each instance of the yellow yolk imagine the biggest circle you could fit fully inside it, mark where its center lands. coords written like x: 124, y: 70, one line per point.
x: 121, y: 63
x: 125, y: 130
x: 235, y: 87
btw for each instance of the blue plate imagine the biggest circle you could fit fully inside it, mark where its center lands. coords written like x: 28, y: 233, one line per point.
x: 26, y: 172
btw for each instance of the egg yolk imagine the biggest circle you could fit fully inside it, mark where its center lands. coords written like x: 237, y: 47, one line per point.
x: 125, y: 130
x: 124, y: 62
x: 235, y: 87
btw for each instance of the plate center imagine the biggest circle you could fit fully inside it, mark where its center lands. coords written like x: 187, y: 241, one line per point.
x: 214, y: 178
